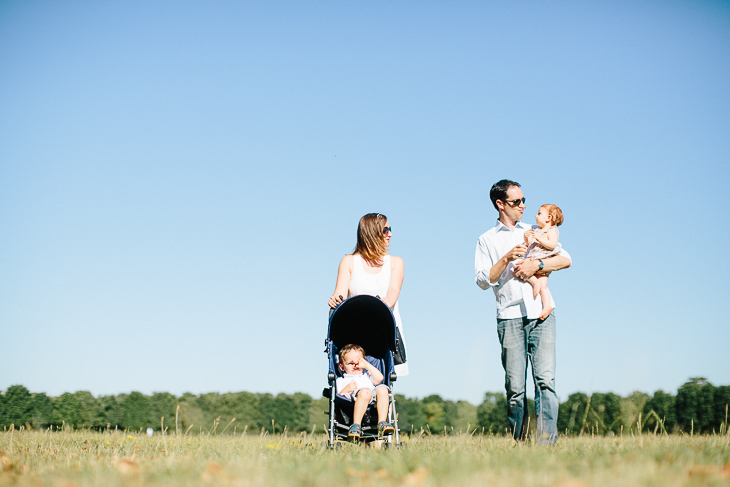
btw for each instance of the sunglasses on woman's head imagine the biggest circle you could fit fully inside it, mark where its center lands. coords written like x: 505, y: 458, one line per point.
x: 387, y: 230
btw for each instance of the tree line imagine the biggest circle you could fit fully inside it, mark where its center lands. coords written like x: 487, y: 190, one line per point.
x: 698, y: 407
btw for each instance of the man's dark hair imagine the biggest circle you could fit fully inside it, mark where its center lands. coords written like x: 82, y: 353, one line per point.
x: 499, y: 191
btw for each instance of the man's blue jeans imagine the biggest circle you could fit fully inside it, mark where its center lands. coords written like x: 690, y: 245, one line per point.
x: 524, y: 339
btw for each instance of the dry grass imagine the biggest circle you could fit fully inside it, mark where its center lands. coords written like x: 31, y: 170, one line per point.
x: 70, y: 459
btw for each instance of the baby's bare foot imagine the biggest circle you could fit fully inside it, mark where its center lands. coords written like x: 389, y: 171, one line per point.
x: 546, y: 312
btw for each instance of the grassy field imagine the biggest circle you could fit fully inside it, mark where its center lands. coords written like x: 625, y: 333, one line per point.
x: 68, y: 459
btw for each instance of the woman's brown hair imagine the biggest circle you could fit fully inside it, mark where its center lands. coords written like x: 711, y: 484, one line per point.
x: 370, y: 242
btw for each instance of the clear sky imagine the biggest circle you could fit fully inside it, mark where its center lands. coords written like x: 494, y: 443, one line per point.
x: 179, y: 180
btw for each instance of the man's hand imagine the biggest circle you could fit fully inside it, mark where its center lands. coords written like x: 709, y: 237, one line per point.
x: 516, y: 253
x: 498, y: 268
x: 526, y: 269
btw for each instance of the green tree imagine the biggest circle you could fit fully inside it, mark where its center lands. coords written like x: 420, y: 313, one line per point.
x: 492, y: 413
x: 267, y: 407
x: 191, y: 416
x: 433, y: 407
x: 66, y: 410
x: 694, y: 405
x: 248, y: 411
x: 663, y: 406
x: 571, y: 413
x: 89, y: 411
x: 721, y: 407
x: 208, y: 404
x: 112, y: 411
x: 292, y: 411
x: 460, y: 415
x: 226, y: 407
x: 78, y: 410
x: 162, y: 405
x: 411, y: 415
x: 136, y: 412
x: 604, y: 415
x: 2, y: 409
x: 17, y: 406
x: 319, y: 414
x: 42, y: 410
x: 632, y: 407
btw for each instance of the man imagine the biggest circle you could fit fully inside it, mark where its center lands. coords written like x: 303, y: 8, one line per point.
x: 521, y: 333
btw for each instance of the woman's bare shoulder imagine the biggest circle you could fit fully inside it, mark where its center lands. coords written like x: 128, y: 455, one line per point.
x: 348, y: 260
x: 395, y: 261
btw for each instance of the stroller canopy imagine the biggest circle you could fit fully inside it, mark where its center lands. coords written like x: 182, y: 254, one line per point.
x: 366, y: 321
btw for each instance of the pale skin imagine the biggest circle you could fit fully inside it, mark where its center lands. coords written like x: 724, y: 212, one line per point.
x: 345, y: 272
x: 547, y: 240
x: 354, y: 364
x: 509, y: 215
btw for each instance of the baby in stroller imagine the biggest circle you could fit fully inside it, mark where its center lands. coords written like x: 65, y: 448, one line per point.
x: 360, y: 378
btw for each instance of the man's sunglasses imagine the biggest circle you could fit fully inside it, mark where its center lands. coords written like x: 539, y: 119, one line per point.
x: 516, y: 202
x: 387, y: 230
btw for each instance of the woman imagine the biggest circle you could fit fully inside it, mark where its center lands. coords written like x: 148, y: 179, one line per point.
x: 371, y: 270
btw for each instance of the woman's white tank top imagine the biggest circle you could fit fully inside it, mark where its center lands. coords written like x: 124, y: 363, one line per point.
x: 362, y: 282
x: 376, y: 285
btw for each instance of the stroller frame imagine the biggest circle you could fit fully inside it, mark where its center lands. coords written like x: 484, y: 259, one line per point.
x: 366, y: 321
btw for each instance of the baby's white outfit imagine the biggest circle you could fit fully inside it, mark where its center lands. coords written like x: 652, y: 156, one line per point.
x: 362, y: 381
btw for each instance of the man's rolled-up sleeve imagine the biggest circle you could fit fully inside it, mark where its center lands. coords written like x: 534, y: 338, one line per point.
x: 482, y: 265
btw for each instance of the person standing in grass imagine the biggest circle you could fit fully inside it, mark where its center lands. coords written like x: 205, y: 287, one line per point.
x: 522, y: 334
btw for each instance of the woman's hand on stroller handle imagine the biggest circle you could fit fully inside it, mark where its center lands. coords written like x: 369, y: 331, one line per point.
x: 335, y: 301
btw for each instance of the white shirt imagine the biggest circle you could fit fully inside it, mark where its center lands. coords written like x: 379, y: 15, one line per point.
x: 362, y: 381
x: 514, y: 297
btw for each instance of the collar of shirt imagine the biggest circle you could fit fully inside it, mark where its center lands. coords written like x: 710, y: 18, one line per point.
x: 352, y: 375
x: 518, y: 226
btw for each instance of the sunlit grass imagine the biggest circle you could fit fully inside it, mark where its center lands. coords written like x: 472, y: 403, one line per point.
x: 114, y: 458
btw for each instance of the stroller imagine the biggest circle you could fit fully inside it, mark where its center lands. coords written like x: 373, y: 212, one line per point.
x: 366, y: 321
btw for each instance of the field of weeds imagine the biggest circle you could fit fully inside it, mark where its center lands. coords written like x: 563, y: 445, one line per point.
x: 116, y: 459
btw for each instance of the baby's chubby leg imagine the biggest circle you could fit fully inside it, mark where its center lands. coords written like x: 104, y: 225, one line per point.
x: 545, y: 297
x: 361, y: 405
x: 536, y: 285
x: 381, y: 402
x: 382, y: 398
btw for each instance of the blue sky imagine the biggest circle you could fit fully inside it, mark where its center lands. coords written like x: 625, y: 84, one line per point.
x: 179, y: 180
